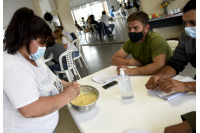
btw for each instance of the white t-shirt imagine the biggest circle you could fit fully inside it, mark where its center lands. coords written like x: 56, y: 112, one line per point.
x: 23, y: 84
x: 69, y: 44
x: 65, y: 33
x: 105, y: 19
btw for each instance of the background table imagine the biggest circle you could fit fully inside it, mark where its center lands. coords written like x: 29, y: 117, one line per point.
x: 111, y: 114
x: 165, y: 22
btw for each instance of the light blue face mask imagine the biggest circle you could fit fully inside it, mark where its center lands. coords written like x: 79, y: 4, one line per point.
x: 191, y: 32
x: 38, y: 54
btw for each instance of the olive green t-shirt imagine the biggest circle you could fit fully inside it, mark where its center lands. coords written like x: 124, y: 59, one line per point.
x: 146, y: 51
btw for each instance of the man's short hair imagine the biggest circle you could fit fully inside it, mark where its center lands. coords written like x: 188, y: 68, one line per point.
x: 140, y: 16
x: 59, y: 27
x: 189, y: 6
x: 103, y: 12
x: 82, y: 18
x: 128, y: 3
x: 112, y: 6
x: 120, y: 5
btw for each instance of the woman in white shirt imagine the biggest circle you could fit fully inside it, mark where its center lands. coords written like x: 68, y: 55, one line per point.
x: 60, y: 38
x: 32, y: 94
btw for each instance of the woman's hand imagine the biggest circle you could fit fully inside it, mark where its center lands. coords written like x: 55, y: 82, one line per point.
x: 72, y: 91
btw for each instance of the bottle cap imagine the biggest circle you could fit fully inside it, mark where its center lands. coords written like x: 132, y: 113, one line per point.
x: 122, y: 71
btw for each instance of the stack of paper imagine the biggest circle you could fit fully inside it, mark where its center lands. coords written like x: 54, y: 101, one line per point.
x: 172, y: 95
x: 106, y: 76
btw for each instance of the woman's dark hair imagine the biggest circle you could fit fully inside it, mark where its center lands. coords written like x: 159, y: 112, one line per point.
x: 189, y: 6
x: 92, y: 16
x: 24, y: 27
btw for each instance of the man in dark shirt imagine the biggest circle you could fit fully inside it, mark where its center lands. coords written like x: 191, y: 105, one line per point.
x: 128, y: 6
x: 93, y: 21
x: 185, y: 52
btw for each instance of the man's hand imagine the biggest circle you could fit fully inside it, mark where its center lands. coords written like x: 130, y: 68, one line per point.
x: 72, y: 91
x: 153, y: 82
x: 172, y: 85
x: 126, y: 71
x: 183, y: 127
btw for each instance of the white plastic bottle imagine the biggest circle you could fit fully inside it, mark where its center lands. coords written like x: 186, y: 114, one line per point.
x: 125, y: 85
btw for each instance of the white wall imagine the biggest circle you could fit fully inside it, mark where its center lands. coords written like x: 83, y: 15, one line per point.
x: 75, y: 3
x: 10, y: 6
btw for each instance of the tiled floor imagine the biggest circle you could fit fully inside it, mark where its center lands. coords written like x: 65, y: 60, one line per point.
x: 97, y: 58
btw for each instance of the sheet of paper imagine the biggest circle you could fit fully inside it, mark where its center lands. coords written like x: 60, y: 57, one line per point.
x: 106, y: 76
x: 137, y: 131
x: 173, y: 95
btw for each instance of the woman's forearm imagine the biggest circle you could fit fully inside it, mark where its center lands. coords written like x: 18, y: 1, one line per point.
x: 44, y: 106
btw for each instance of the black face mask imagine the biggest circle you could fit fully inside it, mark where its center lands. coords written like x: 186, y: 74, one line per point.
x: 135, y: 37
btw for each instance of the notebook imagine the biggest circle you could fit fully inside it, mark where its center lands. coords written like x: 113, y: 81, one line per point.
x: 106, y: 76
x: 174, y: 94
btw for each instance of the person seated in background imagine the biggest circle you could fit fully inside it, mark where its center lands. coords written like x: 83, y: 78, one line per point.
x: 77, y: 26
x: 111, y: 11
x: 82, y: 20
x: 135, y: 4
x: 128, y: 6
x: 88, y: 21
x: 125, y: 5
x: 64, y: 32
x: 57, y: 49
x: 149, y: 49
x: 60, y: 38
x: 184, y: 53
x: 93, y: 21
x: 105, y: 18
x: 122, y: 10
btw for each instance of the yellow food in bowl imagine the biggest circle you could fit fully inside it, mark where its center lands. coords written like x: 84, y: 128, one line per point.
x: 86, y: 99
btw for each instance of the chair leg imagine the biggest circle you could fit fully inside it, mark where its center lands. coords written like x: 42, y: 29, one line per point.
x: 68, y: 75
x: 74, y: 72
x: 79, y: 61
x: 84, y: 61
x: 71, y: 74
x: 78, y: 73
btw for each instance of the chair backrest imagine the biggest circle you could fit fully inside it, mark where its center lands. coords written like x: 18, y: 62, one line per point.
x: 94, y: 27
x: 68, y: 56
x: 120, y: 13
x: 132, y: 10
x: 127, y: 13
x: 172, y: 44
x: 115, y: 14
x: 78, y: 44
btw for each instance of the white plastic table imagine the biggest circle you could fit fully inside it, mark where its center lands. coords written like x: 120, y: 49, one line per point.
x: 111, y: 114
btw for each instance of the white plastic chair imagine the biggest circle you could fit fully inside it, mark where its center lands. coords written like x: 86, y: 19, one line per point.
x: 132, y: 10
x: 116, y: 14
x: 78, y: 46
x: 172, y: 44
x: 85, y: 32
x: 70, y: 64
x: 94, y: 27
x: 127, y: 13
